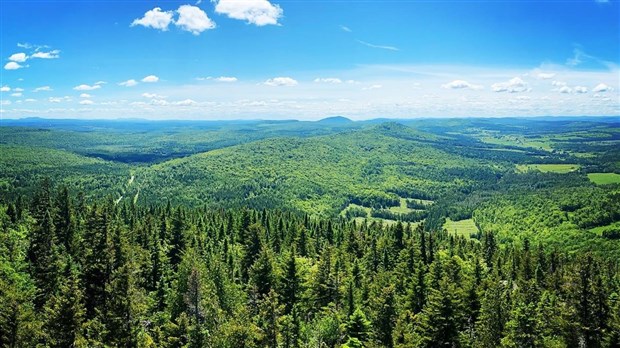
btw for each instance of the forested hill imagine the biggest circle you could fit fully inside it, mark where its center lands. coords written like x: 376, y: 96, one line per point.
x: 319, y: 175
x: 548, y: 180
x: 100, y: 274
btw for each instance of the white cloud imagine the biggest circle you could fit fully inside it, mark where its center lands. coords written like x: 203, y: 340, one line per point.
x: 30, y: 100
x: 54, y: 100
x: 17, y: 95
x: 332, y: 80
x: 558, y: 83
x: 155, y: 19
x: 460, y: 84
x: 150, y: 79
x: 514, y: 85
x: 12, y: 66
x: 84, y: 87
x: 345, y: 28
x: 565, y: 89
x: 383, y: 47
x: 372, y: 87
x: 100, y: 83
x: 18, y: 57
x: 193, y: 19
x: 5, y: 102
x: 85, y: 95
x: 54, y: 54
x: 226, y: 79
x: 5, y: 89
x: 186, y: 102
x: 281, y: 81
x: 43, y: 89
x: 580, y: 89
x: 18, y: 89
x: 128, y: 83
x: 601, y: 87
x: 258, y: 12
x: 545, y: 76
x: 86, y: 102
x: 153, y: 96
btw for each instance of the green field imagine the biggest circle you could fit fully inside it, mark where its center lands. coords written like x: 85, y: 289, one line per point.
x: 599, y: 230
x: 402, y: 208
x: 465, y: 227
x: 548, y: 168
x: 604, y: 178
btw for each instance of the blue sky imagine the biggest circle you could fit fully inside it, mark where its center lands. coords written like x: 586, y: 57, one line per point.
x: 308, y: 59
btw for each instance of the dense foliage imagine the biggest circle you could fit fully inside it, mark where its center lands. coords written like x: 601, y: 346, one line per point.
x: 105, y: 274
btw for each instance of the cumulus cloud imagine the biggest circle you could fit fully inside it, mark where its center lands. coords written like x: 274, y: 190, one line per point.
x: 84, y: 87
x: 100, y: 83
x: 18, y: 89
x: 514, y: 85
x: 332, y: 80
x: 18, y: 57
x: 43, y: 89
x: 155, y: 18
x: 5, y: 89
x: 186, y: 102
x: 128, y: 83
x: 257, y: 12
x: 12, y: 66
x: 150, y: 79
x: 17, y: 95
x: 54, y: 54
x: 460, y: 84
x: 85, y: 95
x: 153, y: 96
x: 545, y: 76
x: 86, y: 102
x: 565, y: 89
x: 54, y: 100
x: 226, y: 79
x: 193, y: 19
x: 601, y: 87
x: 580, y: 89
x: 281, y: 81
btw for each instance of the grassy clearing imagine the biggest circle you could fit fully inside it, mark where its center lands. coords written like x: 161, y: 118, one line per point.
x: 604, y: 178
x: 355, y: 206
x: 548, y: 168
x: 402, y: 208
x: 462, y: 227
x: 599, y: 230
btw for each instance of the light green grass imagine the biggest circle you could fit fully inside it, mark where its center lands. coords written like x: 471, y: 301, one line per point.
x: 402, y: 208
x: 462, y: 227
x: 351, y: 205
x: 548, y: 168
x: 599, y: 230
x: 604, y: 178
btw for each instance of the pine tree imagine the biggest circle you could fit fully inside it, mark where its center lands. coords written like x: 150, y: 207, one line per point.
x: 290, y: 284
x: 44, y: 258
x: 358, y: 326
x: 493, y: 315
x: 65, y: 312
x: 386, y: 316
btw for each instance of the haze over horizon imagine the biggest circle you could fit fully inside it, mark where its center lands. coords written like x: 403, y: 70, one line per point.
x: 261, y: 59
